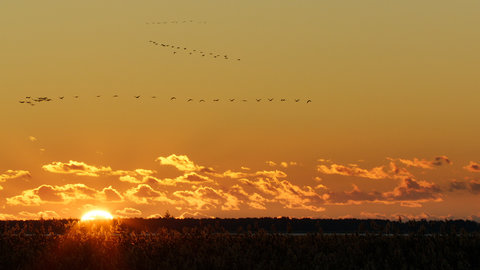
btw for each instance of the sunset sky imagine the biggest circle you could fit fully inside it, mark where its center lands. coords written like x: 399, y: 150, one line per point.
x: 392, y: 129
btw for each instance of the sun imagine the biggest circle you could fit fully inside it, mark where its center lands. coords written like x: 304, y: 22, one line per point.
x: 97, y: 215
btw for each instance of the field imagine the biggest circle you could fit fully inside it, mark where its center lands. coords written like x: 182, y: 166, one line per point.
x: 213, y: 244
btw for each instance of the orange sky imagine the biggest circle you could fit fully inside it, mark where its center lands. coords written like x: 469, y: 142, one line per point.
x: 393, y: 87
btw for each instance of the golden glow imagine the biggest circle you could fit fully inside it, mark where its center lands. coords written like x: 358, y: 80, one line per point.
x: 97, y: 215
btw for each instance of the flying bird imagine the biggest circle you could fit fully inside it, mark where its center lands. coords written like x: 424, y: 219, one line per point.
x: 297, y: 100
x: 201, y: 100
x: 60, y: 97
x: 270, y: 99
x: 173, y: 98
x: 137, y: 96
x: 75, y: 96
x: 115, y: 95
x: 282, y: 99
x: 259, y: 99
x: 308, y: 101
x: 190, y: 99
x: 232, y: 100
x: 216, y: 99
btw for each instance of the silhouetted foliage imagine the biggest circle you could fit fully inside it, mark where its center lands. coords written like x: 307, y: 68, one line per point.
x: 263, y: 243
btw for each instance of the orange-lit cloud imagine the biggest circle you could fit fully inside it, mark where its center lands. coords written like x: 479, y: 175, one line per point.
x: 182, y: 163
x: 425, y: 164
x: 206, y: 198
x: 62, y: 194
x: 194, y: 215
x: 473, y: 167
x: 283, y: 164
x: 48, y: 214
x: 287, y: 194
x: 13, y: 174
x: 411, y: 190
x: 472, y: 186
x: 77, y: 168
x: 145, y: 194
x: 409, y: 193
x: 187, y: 178
x: 374, y: 173
x: 128, y: 212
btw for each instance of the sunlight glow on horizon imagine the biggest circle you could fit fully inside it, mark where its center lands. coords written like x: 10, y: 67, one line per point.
x: 97, y: 215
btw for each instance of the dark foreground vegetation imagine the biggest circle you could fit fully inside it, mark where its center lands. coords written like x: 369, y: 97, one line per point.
x: 169, y: 243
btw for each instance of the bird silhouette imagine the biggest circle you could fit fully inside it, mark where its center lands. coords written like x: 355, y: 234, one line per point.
x: 98, y: 96
x: 154, y: 97
x: 115, y: 96
x: 75, y: 96
x: 137, y: 96
x: 244, y: 100
x: 297, y: 100
x: 173, y: 98
x: 270, y: 99
x: 308, y: 101
x: 190, y: 99
x: 201, y: 100
x: 216, y: 99
x: 232, y: 100
x: 21, y: 101
x: 259, y: 99
x: 282, y: 99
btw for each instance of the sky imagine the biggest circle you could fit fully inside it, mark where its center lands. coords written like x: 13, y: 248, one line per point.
x: 391, y: 129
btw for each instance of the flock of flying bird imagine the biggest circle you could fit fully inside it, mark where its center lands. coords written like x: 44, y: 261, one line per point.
x: 34, y: 100
x: 178, y: 49
x: 177, y: 22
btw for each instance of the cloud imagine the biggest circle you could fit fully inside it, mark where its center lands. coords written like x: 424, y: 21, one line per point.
x: 196, y: 215
x: 7, y: 217
x: 187, y: 178
x: 283, y: 164
x: 374, y: 173
x: 82, y: 169
x: 110, y: 194
x: 128, y: 212
x: 13, y: 174
x: 62, y: 194
x: 472, y: 186
x: 473, y: 167
x: 382, y: 172
x: 413, y: 190
x: 206, y: 198
x: 77, y: 168
x: 145, y: 194
x: 425, y: 164
x: 182, y: 163
x: 409, y: 193
x: 287, y: 194
x: 48, y: 214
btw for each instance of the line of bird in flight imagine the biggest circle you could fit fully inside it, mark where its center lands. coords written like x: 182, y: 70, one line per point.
x: 178, y: 49
x: 177, y: 22
x: 34, y: 100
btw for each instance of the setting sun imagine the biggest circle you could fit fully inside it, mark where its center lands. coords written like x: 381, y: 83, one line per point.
x: 97, y: 215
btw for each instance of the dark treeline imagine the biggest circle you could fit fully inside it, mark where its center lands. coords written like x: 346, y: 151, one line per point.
x: 118, y: 245
x: 269, y: 225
